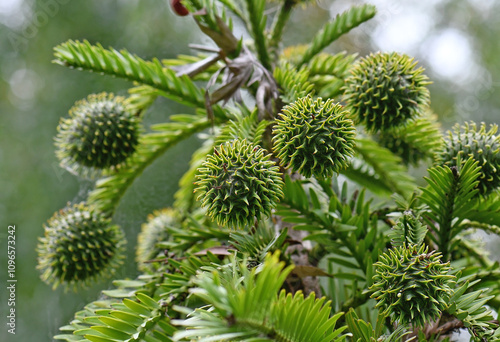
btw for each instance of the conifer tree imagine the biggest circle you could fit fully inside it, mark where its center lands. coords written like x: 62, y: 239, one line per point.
x: 298, y: 219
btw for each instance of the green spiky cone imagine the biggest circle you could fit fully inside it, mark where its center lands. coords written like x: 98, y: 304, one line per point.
x: 479, y: 144
x: 238, y: 184
x: 153, y: 232
x: 100, y: 133
x: 79, y: 245
x: 414, y: 142
x: 411, y: 285
x: 386, y: 90
x: 314, y: 137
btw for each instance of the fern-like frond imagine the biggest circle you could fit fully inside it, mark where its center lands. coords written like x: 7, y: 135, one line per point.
x: 128, y: 314
x: 408, y: 231
x: 296, y: 208
x: 449, y: 197
x: 109, y: 190
x: 257, y: 245
x: 145, y: 320
x: 234, y: 293
x: 141, y: 98
x: 245, y: 306
x: 364, y: 332
x: 484, y: 278
x: 279, y: 22
x: 243, y: 126
x: 328, y: 72
x: 293, y: 82
x: 358, y: 239
x: 181, y: 276
x: 84, y: 56
x: 258, y: 19
x: 337, y: 65
x: 471, y: 249
x: 194, y: 236
x: 486, y: 211
x: 304, y: 319
x: 347, y: 237
x: 469, y: 307
x: 379, y: 170
x: 342, y: 24
x: 417, y: 140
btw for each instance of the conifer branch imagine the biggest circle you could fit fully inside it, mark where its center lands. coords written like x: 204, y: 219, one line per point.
x: 448, y: 196
x: 342, y: 24
x: 84, y: 56
x: 279, y: 23
x: 379, y: 170
x: 278, y: 142
x: 109, y: 190
x: 255, y: 11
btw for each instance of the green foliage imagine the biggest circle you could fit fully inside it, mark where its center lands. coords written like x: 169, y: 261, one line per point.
x: 255, y: 9
x: 328, y: 73
x: 448, y: 196
x: 101, y: 133
x: 314, y: 137
x: 245, y: 306
x: 479, y: 144
x: 292, y: 268
x: 80, y: 244
x: 238, y: 184
x: 408, y: 231
x: 469, y: 308
x: 378, y: 169
x: 293, y: 83
x: 342, y: 24
x: 258, y: 245
x: 244, y: 126
x: 364, y: 332
x: 386, y: 90
x: 127, y: 313
x: 414, y: 142
x: 83, y: 55
x: 109, y: 190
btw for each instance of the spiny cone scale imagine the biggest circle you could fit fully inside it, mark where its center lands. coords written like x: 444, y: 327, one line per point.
x: 238, y: 184
x: 385, y: 90
x: 481, y: 145
x: 99, y: 134
x: 314, y: 137
x: 79, y: 245
x: 411, y: 285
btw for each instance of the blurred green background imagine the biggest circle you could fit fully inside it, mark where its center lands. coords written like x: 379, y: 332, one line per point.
x: 456, y: 41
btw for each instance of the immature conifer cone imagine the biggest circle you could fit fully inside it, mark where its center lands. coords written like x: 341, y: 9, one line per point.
x: 411, y: 285
x: 314, y: 137
x: 385, y: 90
x: 152, y: 232
x: 238, y: 184
x: 99, y: 134
x: 482, y: 145
x: 79, y: 245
